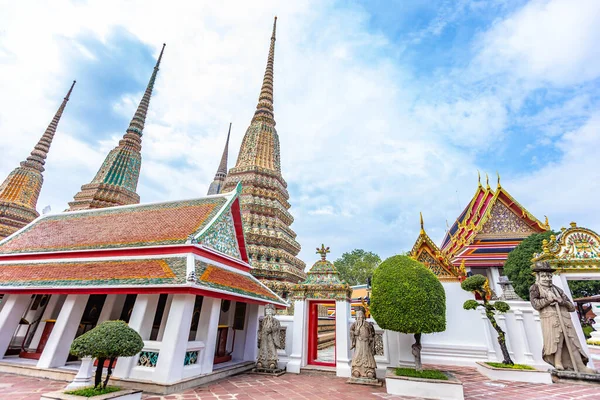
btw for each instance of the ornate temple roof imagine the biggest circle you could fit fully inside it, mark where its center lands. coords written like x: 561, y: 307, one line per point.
x: 574, y: 249
x: 491, y: 225
x: 217, y: 184
x: 20, y: 190
x: 272, y: 243
x: 139, y: 225
x: 427, y: 252
x: 189, y: 246
x: 323, y: 281
x: 116, y: 181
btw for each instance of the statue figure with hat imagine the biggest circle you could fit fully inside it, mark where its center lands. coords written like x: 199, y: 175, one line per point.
x: 268, y: 343
x: 362, y: 337
x: 561, y: 344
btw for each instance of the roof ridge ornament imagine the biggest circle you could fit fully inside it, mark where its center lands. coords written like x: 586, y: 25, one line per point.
x: 323, y: 252
x: 498, y: 173
x: 421, y: 216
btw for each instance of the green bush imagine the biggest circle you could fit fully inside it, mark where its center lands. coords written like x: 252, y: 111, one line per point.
x: 510, y: 366
x: 407, y: 297
x: 474, y: 283
x: 109, y: 340
x: 518, y: 264
x: 425, y: 374
x: 91, y: 392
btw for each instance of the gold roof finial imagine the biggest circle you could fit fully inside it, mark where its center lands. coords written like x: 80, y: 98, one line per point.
x: 421, y: 215
x: 478, y: 178
x: 323, y: 251
x: 487, y: 181
x: 498, y: 173
x: 546, y: 223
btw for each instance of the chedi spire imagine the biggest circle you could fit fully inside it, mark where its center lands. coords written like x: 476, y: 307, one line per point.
x: 217, y: 184
x: 116, y: 182
x: 20, y: 190
x: 272, y: 244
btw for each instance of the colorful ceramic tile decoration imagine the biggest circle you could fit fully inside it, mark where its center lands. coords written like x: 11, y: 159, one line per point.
x: 222, y: 236
x: 217, y: 184
x: 574, y: 249
x: 272, y: 244
x: 322, y: 282
x: 116, y: 182
x: 148, y: 359
x: 20, y: 190
x: 191, y: 357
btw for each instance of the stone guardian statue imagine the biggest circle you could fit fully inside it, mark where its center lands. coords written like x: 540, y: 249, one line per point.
x: 562, y: 349
x: 362, y: 338
x: 268, y: 343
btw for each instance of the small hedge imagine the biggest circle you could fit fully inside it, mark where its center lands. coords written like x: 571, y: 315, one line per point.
x: 90, y: 391
x: 508, y: 366
x: 407, y: 297
x: 425, y: 374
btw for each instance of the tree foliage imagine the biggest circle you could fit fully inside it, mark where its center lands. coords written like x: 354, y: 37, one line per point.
x: 476, y: 284
x: 584, y: 288
x: 407, y: 297
x: 357, y: 266
x: 518, y: 263
x: 109, y: 340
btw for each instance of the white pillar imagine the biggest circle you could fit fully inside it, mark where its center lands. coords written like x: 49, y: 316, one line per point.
x: 298, y: 355
x: 57, y: 348
x: 208, y: 325
x: 141, y: 320
x: 84, y: 375
x: 251, y: 345
x: 107, y: 308
x: 53, y: 303
x: 169, y: 368
x: 342, y: 339
x: 14, y: 307
x: 494, y: 277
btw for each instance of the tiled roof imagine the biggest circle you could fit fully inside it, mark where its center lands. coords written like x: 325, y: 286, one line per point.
x: 213, y: 277
x: 128, y: 226
x: 94, y: 273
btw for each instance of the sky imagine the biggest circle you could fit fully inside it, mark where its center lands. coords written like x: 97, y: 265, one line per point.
x: 384, y: 109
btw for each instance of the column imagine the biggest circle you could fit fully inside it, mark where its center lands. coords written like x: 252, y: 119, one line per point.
x: 254, y: 312
x: 53, y: 303
x: 208, y: 325
x: 298, y: 355
x: 169, y: 367
x: 57, y: 348
x: 342, y: 340
x: 107, y: 308
x: 141, y: 320
x: 163, y: 322
x: 14, y: 307
x: 494, y: 277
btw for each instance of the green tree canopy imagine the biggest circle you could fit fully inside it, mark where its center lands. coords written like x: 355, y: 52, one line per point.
x: 357, y: 266
x: 407, y: 297
x: 584, y: 288
x: 518, y: 264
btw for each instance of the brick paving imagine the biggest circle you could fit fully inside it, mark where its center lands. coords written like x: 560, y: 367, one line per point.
x: 320, y: 387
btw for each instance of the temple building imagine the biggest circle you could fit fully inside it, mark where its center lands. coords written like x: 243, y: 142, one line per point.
x: 20, y: 190
x: 490, y: 227
x: 185, y: 287
x: 116, y: 182
x: 217, y: 184
x: 272, y: 245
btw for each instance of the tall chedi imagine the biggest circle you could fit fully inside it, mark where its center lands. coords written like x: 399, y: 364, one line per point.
x: 272, y: 245
x: 116, y: 182
x: 20, y: 191
x: 217, y: 184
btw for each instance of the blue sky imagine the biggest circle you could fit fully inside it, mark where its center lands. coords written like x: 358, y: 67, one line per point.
x: 383, y: 108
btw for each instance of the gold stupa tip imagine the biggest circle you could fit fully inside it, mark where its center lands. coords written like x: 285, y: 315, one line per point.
x: 573, y: 225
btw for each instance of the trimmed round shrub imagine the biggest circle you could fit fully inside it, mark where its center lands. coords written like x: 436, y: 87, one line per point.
x: 518, y: 264
x: 474, y: 283
x: 107, y: 340
x: 407, y: 297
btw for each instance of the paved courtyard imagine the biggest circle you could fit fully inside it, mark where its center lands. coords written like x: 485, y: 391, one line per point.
x: 318, y: 387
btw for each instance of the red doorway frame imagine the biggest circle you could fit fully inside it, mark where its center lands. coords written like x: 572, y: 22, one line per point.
x: 313, y: 323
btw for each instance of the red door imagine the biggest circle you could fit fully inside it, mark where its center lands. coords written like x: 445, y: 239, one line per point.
x: 321, y: 333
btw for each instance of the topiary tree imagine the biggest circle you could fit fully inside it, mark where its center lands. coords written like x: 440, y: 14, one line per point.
x: 518, y: 264
x: 407, y: 297
x: 477, y: 284
x: 109, y: 340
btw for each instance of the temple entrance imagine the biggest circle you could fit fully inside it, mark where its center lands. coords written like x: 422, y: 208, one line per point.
x: 321, y: 333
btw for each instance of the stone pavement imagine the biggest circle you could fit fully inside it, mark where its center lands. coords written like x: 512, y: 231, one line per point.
x: 317, y: 387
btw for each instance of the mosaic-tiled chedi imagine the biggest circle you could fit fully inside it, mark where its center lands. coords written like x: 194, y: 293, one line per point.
x: 217, y: 184
x: 272, y: 245
x: 116, y: 182
x: 20, y: 190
